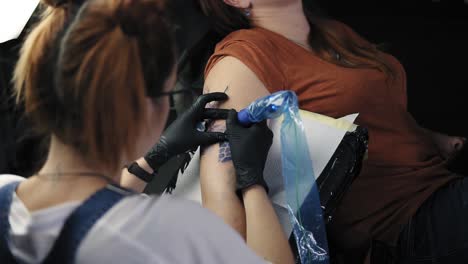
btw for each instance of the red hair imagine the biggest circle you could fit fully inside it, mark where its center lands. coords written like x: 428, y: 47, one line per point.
x: 112, y: 56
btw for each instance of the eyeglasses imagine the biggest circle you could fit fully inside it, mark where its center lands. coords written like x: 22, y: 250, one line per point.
x: 172, y: 93
x: 188, y: 95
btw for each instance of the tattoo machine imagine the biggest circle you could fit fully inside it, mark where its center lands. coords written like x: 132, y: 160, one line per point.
x: 302, y: 195
x: 261, y: 110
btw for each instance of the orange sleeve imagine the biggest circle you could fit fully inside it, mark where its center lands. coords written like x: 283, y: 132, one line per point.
x: 257, y: 56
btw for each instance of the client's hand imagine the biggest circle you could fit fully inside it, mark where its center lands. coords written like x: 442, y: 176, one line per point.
x: 182, y: 135
x: 249, y: 151
x: 448, y: 146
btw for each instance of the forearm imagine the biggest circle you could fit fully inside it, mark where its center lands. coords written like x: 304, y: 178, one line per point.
x: 264, y: 233
x: 226, y: 205
x: 218, y: 181
x: 131, y: 181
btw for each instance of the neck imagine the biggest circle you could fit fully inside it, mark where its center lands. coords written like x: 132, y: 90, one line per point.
x: 65, y: 165
x: 288, y: 20
x: 60, y: 181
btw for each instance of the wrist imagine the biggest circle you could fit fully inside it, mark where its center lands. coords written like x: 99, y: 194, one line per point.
x: 143, y: 174
x: 252, y: 193
x: 256, y: 188
x: 251, y: 179
x: 156, y: 157
x: 144, y: 165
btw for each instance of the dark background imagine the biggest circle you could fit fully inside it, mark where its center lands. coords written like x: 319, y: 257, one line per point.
x: 429, y: 37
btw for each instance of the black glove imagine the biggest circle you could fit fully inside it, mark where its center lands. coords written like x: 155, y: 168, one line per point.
x: 249, y: 150
x: 182, y: 135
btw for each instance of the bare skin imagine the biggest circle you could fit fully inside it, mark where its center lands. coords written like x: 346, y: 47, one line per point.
x: 45, y: 190
x: 218, y: 178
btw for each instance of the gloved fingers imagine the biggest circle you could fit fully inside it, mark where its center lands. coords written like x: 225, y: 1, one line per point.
x: 208, y: 138
x: 202, y: 100
x: 262, y: 128
x: 232, y: 119
x: 213, y: 113
x: 262, y: 124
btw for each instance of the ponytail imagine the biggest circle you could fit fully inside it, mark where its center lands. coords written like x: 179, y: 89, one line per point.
x: 33, y: 77
x: 35, y: 57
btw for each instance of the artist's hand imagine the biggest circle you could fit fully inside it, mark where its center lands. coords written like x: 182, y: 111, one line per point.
x: 249, y: 150
x: 448, y: 146
x: 182, y: 135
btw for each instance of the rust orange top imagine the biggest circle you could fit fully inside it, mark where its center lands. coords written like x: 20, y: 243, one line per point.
x: 403, y: 167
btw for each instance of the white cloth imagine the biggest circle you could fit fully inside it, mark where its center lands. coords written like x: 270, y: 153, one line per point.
x: 138, y: 229
x: 323, y: 134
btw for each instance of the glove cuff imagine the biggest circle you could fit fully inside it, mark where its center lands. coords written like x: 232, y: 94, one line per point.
x: 157, y: 156
x: 248, y: 179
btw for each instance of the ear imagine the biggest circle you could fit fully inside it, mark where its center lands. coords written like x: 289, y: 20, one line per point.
x: 241, y: 4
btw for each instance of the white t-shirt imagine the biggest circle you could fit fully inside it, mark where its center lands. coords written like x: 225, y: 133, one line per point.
x: 138, y: 229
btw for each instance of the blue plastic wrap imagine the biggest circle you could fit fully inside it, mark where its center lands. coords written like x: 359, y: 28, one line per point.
x: 302, y: 195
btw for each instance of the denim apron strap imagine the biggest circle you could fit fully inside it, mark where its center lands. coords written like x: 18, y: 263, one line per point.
x: 6, y: 197
x: 79, y: 223
x: 75, y: 228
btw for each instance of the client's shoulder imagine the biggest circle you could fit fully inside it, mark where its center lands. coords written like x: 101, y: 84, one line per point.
x: 253, y: 37
x: 250, y: 34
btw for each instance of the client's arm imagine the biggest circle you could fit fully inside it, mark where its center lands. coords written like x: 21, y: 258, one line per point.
x: 264, y: 233
x: 217, y: 176
x: 249, y: 149
x: 254, y: 218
